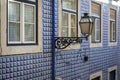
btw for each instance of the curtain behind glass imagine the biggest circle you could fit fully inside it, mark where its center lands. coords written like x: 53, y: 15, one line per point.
x: 70, y: 4
x: 29, y: 23
x: 14, y: 21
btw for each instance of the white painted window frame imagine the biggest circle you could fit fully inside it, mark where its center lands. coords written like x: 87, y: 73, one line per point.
x: 94, y: 75
x: 100, y: 44
x: 112, y: 69
x: 113, y: 22
x: 22, y: 24
x: 69, y: 23
x: 96, y: 30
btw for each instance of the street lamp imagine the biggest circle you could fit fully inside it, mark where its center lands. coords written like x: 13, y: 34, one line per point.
x: 86, y: 26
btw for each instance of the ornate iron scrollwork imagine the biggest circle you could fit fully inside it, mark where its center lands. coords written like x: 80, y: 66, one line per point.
x: 63, y: 42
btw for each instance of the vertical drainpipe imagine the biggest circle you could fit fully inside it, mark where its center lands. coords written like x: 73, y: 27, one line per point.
x: 53, y: 40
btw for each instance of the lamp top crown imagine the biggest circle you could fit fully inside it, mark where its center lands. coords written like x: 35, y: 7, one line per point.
x: 85, y: 15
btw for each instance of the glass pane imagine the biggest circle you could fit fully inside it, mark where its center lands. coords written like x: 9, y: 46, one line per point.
x: 113, y: 75
x: 114, y: 31
x: 14, y: 11
x: 111, y: 30
x: 29, y: 14
x: 96, y: 9
x: 65, y: 19
x: 98, y: 35
x: 73, y: 32
x: 64, y: 24
x: 14, y: 31
x: 97, y: 29
x: 64, y: 32
x: 70, y: 4
x: 114, y: 36
x: 73, y: 25
x: 29, y: 32
x: 93, y: 34
x: 112, y: 14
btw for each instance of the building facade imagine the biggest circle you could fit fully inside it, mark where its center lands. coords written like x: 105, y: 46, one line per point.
x: 29, y: 26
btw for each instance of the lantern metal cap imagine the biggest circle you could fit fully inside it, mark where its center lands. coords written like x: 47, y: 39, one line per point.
x: 85, y: 15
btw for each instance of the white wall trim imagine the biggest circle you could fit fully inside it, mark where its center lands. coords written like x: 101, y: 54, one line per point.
x: 97, y: 74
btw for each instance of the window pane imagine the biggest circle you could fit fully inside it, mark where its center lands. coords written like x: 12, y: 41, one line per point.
x: 64, y: 32
x: 93, y: 34
x: 29, y: 14
x: 73, y: 25
x: 14, y: 31
x: 70, y: 4
x: 14, y: 11
x: 112, y: 31
x: 64, y: 24
x: 98, y: 36
x: 96, y: 32
x: 114, y: 36
x: 113, y: 75
x: 112, y: 14
x: 29, y: 32
x: 97, y: 29
x: 96, y: 9
x: 73, y: 32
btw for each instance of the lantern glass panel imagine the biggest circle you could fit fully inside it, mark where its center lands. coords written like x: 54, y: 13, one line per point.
x: 85, y: 26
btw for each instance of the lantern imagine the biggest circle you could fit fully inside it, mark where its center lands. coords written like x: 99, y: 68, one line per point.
x: 86, y: 24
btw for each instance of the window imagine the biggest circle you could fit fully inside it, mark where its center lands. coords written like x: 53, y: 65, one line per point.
x: 21, y: 22
x: 15, y: 19
x: 69, y: 14
x: 96, y: 33
x: 112, y: 73
x: 112, y: 26
x: 69, y: 18
x: 112, y: 22
x: 96, y: 76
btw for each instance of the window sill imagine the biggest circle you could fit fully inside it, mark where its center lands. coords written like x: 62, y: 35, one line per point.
x: 15, y: 50
x: 112, y: 44
x: 94, y: 45
x: 97, y: 74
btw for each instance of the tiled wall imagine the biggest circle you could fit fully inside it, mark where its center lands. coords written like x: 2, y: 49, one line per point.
x: 119, y: 46
x: 69, y: 66
x: 34, y: 66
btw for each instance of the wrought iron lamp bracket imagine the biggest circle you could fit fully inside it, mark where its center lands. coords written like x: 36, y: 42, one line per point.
x: 63, y: 42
